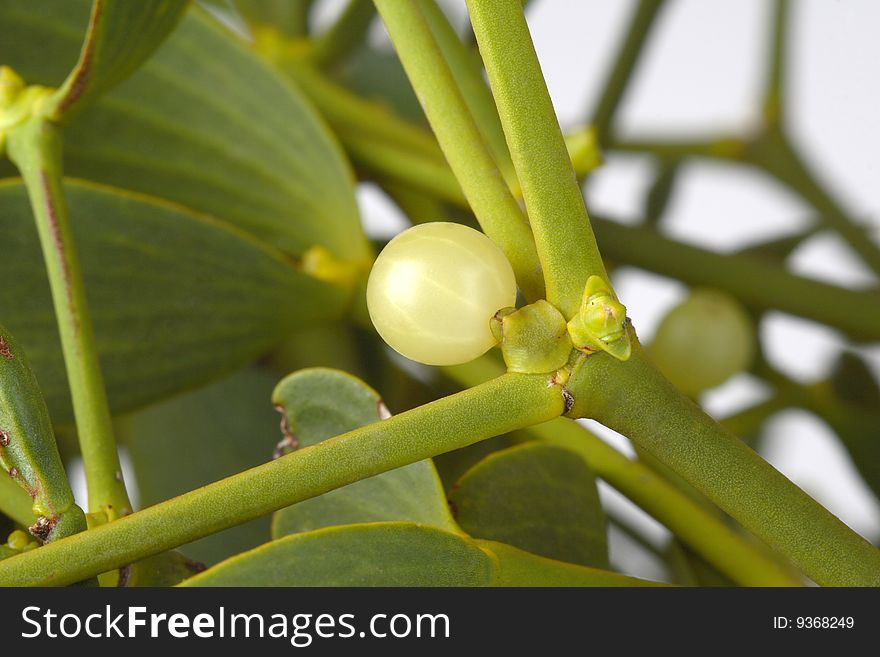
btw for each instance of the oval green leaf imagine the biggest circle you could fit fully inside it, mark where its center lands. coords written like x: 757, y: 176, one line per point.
x: 397, y: 554
x: 540, y: 498
x: 204, y: 123
x: 321, y: 403
x: 177, y: 299
x: 381, y: 554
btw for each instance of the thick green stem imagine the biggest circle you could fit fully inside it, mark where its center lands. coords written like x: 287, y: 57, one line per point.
x: 345, y: 35
x: 708, y: 535
x: 467, y: 69
x: 624, y: 64
x: 464, y: 146
x: 35, y: 148
x: 634, y: 399
x: 757, y: 282
x: 566, y: 245
x: 498, y: 406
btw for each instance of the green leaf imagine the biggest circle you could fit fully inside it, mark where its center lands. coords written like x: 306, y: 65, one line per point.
x: 204, y: 123
x: 515, y: 567
x: 321, y: 403
x: 121, y: 36
x: 379, y: 554
x: 177, y: 299
x: 199, y: 438
x: 537, y: 497
x: 396, y: 554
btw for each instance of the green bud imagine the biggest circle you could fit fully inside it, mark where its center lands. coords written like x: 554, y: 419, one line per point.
x: 18, y: 102
x: 11, y: 85
x: 600, y: 325
x: 18, y: 540
x: 534, y: 339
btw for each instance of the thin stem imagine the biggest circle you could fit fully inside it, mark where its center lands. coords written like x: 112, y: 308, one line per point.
x: 422, y: 173
x: 624, y: 64
x: 746, y: 424
x: 775, y: 90
x: 755, y: 281
x: 464, y: 146
x: 509, y: 402
x: 778, y: 157
x: 773, y: 153
x: 566, y: 245
x: 345, y: 35
x: 704, y: 531
x: 658, y: 197
x: 346, y: 112
x: 634, y: 399
x: 35, y: 148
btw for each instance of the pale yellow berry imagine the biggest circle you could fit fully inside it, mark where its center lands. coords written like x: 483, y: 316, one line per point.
x: 434, y: 289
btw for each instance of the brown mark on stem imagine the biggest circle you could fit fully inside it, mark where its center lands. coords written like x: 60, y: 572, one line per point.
x: 58, y: 243
x: 5, y: 349
x: 4, y: 438
x: 42, y: 529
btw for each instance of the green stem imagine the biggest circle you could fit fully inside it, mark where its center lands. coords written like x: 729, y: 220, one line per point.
x: 463, y: 145
x: 721, y: 545
x: 15, y: 502
x: 345, y: 35
x: 509, y: 402
x: 778, y: 157
x: 565, y: 242
x: 660, y: 193
x: 346, y: 112
x: 703, y: 530
x: 756, y: 282
x: 775, y: 90
x: 430, y: 175
x: 624, y: 64
x: 467, y: 70
x: 634, y: 399
x: 773, y: 153
x: 35, y: 148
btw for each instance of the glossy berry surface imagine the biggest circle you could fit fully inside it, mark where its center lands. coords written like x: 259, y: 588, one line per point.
x: 434, y: 289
